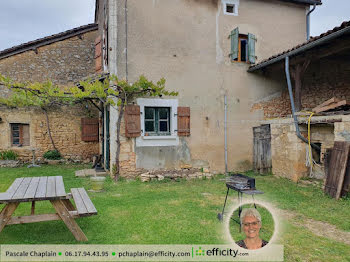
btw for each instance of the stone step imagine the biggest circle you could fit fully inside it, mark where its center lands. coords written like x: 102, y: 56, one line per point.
x: 89, y: 172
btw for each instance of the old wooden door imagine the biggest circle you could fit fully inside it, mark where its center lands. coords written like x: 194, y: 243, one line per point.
x: 262, y: 149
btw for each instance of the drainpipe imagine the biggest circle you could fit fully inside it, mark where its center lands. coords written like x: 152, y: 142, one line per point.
x: 289, y: 83
x: 308, y: 22
x: 226, y: 135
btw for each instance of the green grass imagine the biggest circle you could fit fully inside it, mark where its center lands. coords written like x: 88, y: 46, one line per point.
x: 306, y: 200
x: 184, y: 212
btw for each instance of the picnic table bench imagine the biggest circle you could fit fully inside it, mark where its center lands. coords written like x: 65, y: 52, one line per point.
x: 32, y: 189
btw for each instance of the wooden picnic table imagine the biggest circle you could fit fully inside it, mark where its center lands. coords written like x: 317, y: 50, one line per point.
x: 33, y: 189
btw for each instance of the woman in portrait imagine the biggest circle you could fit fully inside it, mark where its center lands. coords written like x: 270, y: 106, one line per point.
x: 251, y: 225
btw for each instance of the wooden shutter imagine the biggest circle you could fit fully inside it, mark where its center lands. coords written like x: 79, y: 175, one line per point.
x: 132, y: 121
x: 25, y: 135
x: 89, y: 130
x: 262, y: 161
x: 251, y: 48
x: 234, y: 43
x: 183, y: 121
x: 98, y: 54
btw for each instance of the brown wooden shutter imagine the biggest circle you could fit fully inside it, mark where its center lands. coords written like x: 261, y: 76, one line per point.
x: 25, y: 135
x: 98, y: 54
x: 89, y: 130
x: 183, y: 121
x: 132, y: 121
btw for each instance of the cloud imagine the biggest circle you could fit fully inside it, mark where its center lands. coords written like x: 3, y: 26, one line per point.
x: 26, y: 20
x: 331, y: 14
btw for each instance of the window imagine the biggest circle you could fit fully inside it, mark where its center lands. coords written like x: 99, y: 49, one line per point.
x: 20, y: 135
x: 230, y: 7
x: 157, y: 121
x: 242, y: 47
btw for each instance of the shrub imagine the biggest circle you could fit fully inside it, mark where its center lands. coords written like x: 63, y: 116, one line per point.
x: 52, y: 155
x: 8, y: 155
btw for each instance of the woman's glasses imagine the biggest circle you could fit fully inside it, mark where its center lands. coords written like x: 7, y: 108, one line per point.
x: 251, y: 224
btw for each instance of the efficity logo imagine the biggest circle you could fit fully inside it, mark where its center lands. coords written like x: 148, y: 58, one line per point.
x: 215, y: 252
x: 200, y: 252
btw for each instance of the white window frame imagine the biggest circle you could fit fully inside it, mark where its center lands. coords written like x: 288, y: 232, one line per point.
x: 173, y: 139
x: 235, y: 3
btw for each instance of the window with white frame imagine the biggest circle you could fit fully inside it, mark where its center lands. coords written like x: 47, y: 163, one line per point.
x: 158, y: 122
x: 230, y: 7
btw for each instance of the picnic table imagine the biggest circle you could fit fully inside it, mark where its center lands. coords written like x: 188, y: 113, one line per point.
x: 33, y: 189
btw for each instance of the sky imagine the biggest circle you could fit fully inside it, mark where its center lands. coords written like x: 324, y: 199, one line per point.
x: 26, y: 20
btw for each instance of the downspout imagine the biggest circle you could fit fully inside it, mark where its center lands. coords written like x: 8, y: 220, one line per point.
x: 226, y: 170
x: 308, y: 22
x: 289, y: 83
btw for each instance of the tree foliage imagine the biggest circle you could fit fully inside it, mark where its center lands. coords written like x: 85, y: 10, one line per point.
x: 109, y: 91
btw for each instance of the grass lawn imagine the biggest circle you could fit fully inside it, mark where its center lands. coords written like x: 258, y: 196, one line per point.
x: 132, y: 212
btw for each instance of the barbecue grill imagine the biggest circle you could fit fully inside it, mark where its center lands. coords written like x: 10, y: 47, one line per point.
x: 243, y: 185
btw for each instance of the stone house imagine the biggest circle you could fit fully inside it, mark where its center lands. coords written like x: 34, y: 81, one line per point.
x: 204, y: 49
x: 65, y: 59
x: 319, y: 71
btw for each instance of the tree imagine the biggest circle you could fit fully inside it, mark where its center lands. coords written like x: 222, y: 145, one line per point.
x: 111, y: 91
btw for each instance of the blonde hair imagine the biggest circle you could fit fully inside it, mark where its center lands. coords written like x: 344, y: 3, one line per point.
x: 250, y: 212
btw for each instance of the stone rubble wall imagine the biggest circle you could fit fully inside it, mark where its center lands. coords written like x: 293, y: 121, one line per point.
x: 65, y: 129
x: 64, y: 63
x: 188, y: 174
x: 289, y: 152
x: 321, y: 82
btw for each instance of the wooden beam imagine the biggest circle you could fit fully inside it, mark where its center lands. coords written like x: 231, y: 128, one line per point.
x: 69, y: 220
x: 6, y: 214
x: 297, y: 73
x: 38, y: 218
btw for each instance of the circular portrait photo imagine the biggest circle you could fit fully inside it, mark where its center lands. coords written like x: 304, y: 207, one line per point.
x: 251, y: 226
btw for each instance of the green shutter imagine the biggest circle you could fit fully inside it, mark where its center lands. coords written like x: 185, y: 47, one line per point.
x: 251, y: 48
x: 234, y: 43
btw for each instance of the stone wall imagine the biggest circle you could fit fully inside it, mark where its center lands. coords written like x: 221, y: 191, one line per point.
x: 322, y: 81
x: 289, y: 153
x: 127, y: 157
x: 65, y: 129
x: 64, y: 63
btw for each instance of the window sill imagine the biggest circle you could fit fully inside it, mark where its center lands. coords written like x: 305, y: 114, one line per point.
x: 159, y: 137
x: 148, y: 141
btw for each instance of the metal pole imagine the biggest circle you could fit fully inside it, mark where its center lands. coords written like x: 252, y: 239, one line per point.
x: 226, y: 134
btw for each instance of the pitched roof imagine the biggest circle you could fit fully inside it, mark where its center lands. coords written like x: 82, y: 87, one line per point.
x: 314, y: 41
x: 33, y: 45
x: 309, y: 2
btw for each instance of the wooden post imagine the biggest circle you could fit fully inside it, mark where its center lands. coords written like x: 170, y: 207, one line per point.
x: 32, y: 211
x: 298, y: 74
x: 6, y: 213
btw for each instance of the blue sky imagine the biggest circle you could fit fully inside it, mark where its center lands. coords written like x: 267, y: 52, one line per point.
x: 25, y: 20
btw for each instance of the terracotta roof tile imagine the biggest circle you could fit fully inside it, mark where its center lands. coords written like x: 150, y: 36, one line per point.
x: 312, y: 39
x: 47, y: 40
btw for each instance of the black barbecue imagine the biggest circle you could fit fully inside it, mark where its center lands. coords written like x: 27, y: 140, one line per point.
x: 243, y: 185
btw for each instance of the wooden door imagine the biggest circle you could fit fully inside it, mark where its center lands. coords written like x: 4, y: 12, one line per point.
x: 262, y: 149
x: 336, y: 169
